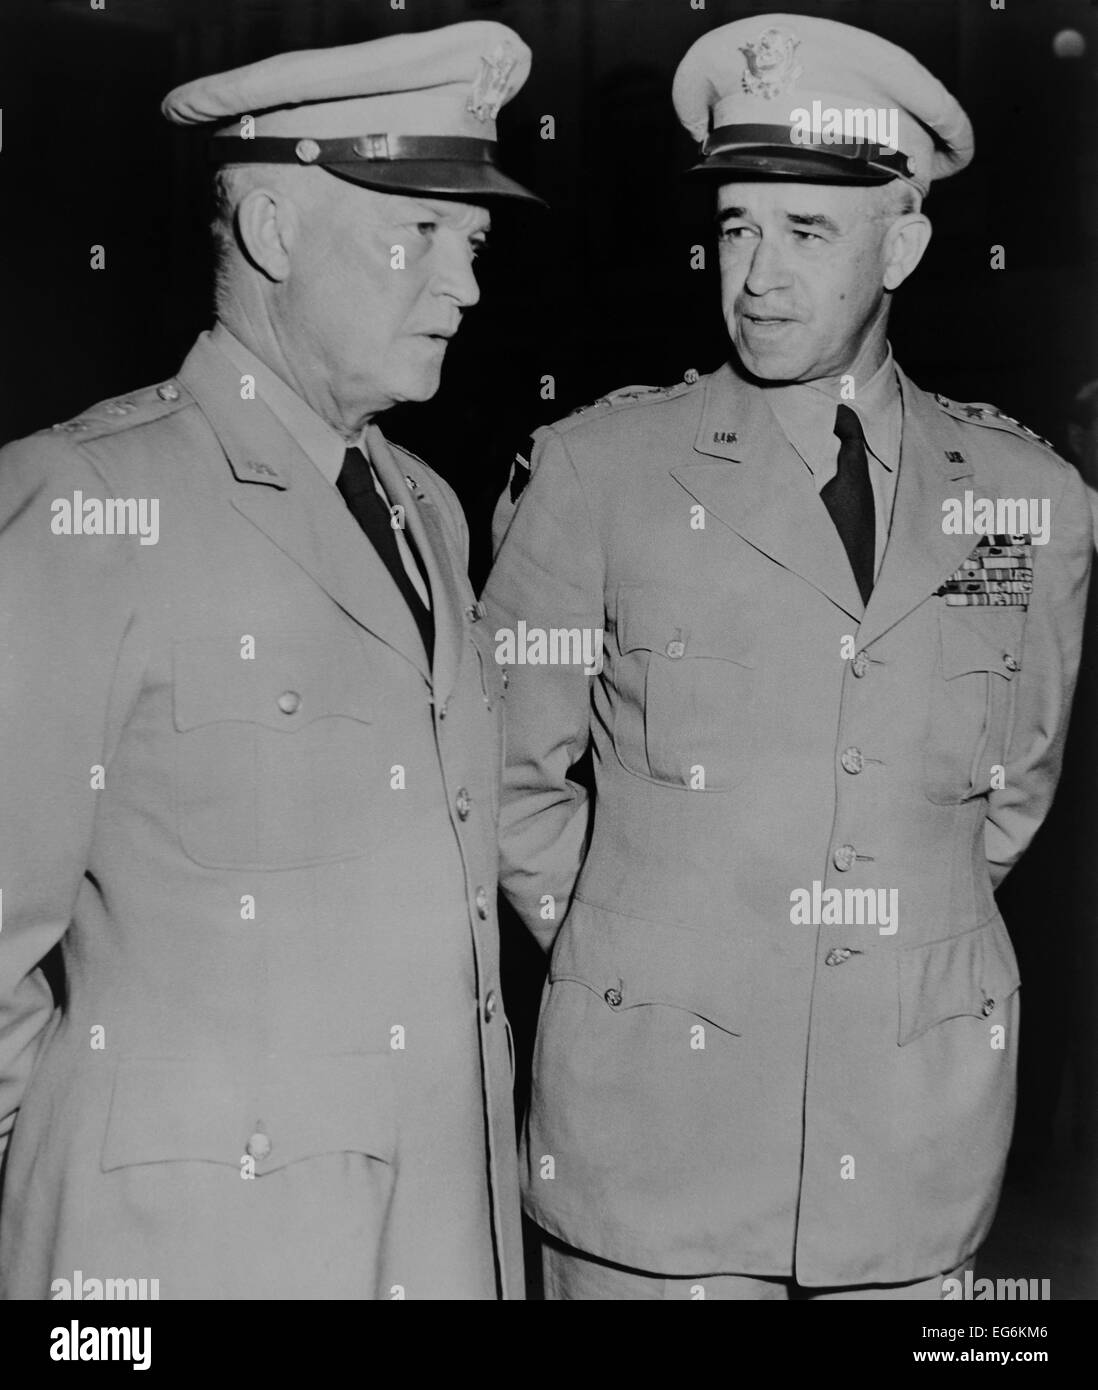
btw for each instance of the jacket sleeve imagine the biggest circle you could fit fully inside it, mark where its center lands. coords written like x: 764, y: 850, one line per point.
x: 548, y: 574
x: 64, y: 606
x: 1045, y: 683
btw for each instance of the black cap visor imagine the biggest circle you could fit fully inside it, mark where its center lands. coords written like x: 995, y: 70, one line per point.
x: 444, y: 178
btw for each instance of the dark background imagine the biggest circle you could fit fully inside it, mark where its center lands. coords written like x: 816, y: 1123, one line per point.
x: 598, y: 294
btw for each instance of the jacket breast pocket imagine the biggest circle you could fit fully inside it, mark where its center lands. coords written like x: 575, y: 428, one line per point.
x: 971, y: 706
x: 275, y: 763
x: 684, y: 687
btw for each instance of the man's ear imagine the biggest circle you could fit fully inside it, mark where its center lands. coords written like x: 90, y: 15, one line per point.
x: 266, y: 226
x: 906, y: 240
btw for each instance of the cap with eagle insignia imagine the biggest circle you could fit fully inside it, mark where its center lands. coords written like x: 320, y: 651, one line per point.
x: 800, y: 97
x: 411, y: 112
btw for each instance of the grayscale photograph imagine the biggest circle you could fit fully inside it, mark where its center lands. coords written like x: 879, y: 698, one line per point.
x: 548, y: 663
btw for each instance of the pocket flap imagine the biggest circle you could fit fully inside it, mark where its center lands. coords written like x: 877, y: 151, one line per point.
x: 979, y: 639
x: 680, y: 623
x: 167, y: 1110
x: 972, y: 974
x: 629, y: 963
x: 286, y: 685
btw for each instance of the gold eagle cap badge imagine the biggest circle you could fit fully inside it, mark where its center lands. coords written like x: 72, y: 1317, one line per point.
x: 771, y: 63
x: 490, y: 88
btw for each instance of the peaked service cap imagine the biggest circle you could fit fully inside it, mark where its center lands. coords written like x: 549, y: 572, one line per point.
x: 796, y: 96
x: 411, y: 112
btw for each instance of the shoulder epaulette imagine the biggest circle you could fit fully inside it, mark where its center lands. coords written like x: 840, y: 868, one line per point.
x: 980, y: 413
x: 522, y: 465
x: 124, y: 412
x: 632, y: 395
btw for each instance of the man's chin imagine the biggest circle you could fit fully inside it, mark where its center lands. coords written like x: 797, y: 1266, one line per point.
x: 416, y: 388
x: 769, y: 370
x: 771, y: 366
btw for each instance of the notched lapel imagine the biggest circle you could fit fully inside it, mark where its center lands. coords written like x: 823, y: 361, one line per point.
x: 919, y: 555
x: 426, y: 530
x: 751, y: 479
x: 295, y: 507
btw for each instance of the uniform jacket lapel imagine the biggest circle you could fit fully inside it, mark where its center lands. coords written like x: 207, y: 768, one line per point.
x: 750, y: 477
x: 425, y: 528
x: 919, y: 556
x: 279, y: 490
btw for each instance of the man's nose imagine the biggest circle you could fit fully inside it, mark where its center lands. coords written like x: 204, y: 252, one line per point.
x: 768, y: 270
x: 454, y: 271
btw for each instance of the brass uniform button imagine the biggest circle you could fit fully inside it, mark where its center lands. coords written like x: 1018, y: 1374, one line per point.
x: 259, y: 1145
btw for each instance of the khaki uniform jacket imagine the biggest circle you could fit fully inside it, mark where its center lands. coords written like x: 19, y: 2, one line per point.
x: 718, y: 1087
x: 277, y: 912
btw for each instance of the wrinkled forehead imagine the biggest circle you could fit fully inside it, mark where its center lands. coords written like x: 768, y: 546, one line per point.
x: 768, y: 197
x: 382, y: 207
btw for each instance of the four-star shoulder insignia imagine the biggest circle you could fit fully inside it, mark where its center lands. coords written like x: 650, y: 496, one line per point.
x: 522, y: 466
x: 123, y: 412
x: 629, y: 395
x: 980, y: 413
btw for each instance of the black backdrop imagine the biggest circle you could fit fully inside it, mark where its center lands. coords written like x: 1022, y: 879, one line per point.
x: 597, y: 294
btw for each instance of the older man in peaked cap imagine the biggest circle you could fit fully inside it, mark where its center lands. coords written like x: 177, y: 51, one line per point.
x: 776, y: 1051
x: 251, y: 755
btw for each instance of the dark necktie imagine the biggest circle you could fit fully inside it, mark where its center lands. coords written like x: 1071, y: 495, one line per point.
x: 848, y: 496
x: 356, y: 486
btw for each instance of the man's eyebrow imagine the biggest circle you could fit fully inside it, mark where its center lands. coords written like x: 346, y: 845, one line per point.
x: 727, y: 214
x: 796, y: 219
x: 813, y: 219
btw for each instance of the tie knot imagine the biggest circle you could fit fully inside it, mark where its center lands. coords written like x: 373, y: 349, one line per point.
x: 847, y: 425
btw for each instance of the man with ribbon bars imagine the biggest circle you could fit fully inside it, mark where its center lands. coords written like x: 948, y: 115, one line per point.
x: 749, y: 1082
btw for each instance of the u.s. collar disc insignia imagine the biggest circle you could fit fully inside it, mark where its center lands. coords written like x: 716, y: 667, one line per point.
x: 490, y: 87
x: 771, y: 69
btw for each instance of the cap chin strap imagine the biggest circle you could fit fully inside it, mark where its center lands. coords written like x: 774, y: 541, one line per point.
x: 740, y: 139
x: 276, y: 149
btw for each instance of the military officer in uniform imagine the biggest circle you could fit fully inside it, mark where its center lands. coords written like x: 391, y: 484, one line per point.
x: 251, y: 755
x: 776, y: 1048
